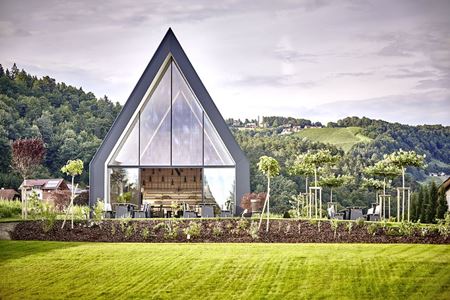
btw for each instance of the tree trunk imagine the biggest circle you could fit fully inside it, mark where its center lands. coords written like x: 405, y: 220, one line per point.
x: 268, y: 203
x: 315, y: 192
x: 403, y: 193
x: 331, y: 194
x: 71, y: 199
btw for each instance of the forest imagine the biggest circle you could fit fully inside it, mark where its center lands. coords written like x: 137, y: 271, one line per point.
x: 73, y: 122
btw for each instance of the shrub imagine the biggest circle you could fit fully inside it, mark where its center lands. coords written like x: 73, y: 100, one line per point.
x: 253, y: 230
x: 360, y: 221
x: 246, y: 200
x: 334, y: 226
x: 443, y: 228
x: 407, y: 228
x: 10, y: 208
x: 242, y: 224
x: 349, y: 226
x: 145, y: 233
x: 34, y: 206
x: 193, y: 230
x: 171, y: 231
x: 82, y: 199
x: 81, y: 212
x: 217, y: 230
x: 373, y: 228
x: 97, y: 212
x: 48, y: 217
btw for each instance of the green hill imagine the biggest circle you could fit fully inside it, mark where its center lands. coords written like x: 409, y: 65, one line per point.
x: 344, y: 138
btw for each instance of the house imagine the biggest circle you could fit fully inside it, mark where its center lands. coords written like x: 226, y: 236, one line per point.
x: 445, y: 187
x: 9, y: 194
x: 170, y: 147
x: 44, y: 188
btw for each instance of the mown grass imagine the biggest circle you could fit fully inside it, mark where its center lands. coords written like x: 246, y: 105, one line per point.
x: 344, y: 138
x: 216, y: 271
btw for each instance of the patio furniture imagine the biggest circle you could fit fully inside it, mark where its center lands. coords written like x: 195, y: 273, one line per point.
x: 207, y: 211
x: 225, y: 214
x: 124, y: 210
x: 189, y: 214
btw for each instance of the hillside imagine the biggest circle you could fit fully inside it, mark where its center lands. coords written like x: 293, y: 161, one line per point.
x: 73, y: 123
x: 344, y: 138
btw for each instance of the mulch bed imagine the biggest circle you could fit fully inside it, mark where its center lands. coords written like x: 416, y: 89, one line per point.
x: 222, y: 230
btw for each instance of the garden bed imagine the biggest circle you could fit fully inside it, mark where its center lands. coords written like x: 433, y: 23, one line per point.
x: 232, y: 231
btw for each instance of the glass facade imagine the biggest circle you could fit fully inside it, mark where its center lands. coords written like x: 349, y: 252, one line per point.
x: 187, y: 124
x: 172, y: 131
x: 124, y: 185
x: 155, y: 125
x: 219, y: 186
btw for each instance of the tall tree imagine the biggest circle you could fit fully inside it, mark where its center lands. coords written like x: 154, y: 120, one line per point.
x: 433, y: 202
x: 442, y: 207
x: 270, y: 167
x: 27, y: 155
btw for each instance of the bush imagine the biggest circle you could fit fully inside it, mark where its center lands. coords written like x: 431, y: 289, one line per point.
x: 48, y: 217
x: 97, y: 213
x: 10, y: 208
x: 373, y: 228
x: 253, y: 230
x: 82, y: 199
x: 193, y: 230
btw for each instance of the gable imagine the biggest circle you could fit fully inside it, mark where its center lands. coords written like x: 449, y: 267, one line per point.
x: 171, y: 128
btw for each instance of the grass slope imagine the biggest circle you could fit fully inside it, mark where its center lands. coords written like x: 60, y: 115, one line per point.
x: 216, y: 271
x: 344, y: 138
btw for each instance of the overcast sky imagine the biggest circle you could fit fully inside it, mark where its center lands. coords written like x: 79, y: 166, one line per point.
x: 321, y: 60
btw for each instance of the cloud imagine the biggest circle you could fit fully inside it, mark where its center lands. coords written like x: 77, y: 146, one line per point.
x: 9, y: 29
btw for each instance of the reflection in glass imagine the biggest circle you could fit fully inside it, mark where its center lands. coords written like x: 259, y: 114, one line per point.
x: 155, y: 125
x: 127, y: 152
x: 124, y: 185
x: 219, y: 186
x: 215, y: 151
x: 186, y: 123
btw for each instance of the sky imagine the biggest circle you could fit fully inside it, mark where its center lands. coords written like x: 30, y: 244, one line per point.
x: 315, y: 59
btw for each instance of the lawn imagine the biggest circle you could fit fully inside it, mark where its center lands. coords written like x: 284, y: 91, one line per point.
x: 245, y: 271
x: 344, y: 138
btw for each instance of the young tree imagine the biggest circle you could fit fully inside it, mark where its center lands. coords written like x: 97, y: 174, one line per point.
x: 332, y: 181
x: 385, y: 170
x: 72, y: 168
x: 270, y: 167
x: 317, y: 160
x: 27, y: 155
x: 403, y: 159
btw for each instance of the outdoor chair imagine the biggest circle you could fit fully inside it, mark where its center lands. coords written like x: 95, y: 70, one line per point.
x: 225, y: 214
x: 124, y: 211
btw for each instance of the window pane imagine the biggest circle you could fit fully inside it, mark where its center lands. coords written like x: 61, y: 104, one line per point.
x: 123, y: 185
x: 155, y: 125
x: 219, y: 186
x: 127, y: 152
x: 215, y: 151
x: 186, y: 123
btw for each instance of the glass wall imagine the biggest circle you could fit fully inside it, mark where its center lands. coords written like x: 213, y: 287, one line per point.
x: 187, y: 123
x: 124, y: 185
x: 219, y: 186
x: 155, y: 125
x: 127, y: 153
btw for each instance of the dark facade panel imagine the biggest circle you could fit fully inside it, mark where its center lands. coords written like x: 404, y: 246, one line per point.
x: 169, y: 45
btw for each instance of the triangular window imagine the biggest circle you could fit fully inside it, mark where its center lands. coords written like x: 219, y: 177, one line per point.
x: 172, y: 129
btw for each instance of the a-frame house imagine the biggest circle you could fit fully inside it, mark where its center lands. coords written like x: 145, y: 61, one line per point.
x: 169, y: 147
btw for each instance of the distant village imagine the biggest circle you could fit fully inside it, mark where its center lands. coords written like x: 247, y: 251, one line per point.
x: 282, y: 125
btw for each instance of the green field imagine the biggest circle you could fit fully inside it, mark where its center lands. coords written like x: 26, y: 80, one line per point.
x: 223, y: 271
x: 344, y: 138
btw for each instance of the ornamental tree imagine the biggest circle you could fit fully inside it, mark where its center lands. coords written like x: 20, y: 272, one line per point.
x: 72, y: 168
x: 27, y: 155
x: 403, y: 159
x: 300, y: 168
x: 270, y: 167
x: 383, y: 169
x: 332, y: 181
